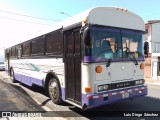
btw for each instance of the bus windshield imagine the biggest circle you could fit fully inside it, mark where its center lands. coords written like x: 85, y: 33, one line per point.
x: 113, y: 44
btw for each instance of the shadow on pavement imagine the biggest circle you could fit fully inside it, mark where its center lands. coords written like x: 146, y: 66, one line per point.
x: 39, y: 90
x: 117, y: 110
x: 27, y: 97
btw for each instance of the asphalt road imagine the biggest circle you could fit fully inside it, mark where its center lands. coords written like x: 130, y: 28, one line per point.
x: 149, y: 103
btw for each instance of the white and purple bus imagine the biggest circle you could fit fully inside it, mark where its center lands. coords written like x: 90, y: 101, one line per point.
x: 92, y: 59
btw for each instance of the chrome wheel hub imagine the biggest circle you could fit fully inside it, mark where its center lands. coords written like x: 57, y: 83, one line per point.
x: 53, y: 90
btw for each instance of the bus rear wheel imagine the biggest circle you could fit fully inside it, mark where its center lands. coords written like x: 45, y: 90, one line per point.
x: 12, y: 76
x: 54, y: 91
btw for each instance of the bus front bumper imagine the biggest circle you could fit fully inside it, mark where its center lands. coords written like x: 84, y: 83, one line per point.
x: 95, y: 100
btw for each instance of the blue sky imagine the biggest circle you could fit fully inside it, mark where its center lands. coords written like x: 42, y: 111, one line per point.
x: 147, y: 9
x: 50, y: 9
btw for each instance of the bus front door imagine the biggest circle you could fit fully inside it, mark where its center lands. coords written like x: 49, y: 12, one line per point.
x: 73, y: 65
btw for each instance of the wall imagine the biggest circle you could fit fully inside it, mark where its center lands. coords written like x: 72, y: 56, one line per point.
x: 147, y: 70
x: 153, y: 37
x: 155, y: 45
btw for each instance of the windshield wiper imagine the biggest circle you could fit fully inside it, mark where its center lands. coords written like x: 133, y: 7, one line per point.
x: 136, y: 63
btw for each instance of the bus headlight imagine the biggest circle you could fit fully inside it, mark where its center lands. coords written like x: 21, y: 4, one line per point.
x: 139, y: 82
x: 105, y: 87
x: 102, y: 88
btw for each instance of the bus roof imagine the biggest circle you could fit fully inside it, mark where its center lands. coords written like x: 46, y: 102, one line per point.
x: 108, y: 16
x: 105, y: 16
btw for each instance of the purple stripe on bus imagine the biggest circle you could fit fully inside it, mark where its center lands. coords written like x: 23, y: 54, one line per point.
x: 101, y: 59
x: 106, y: 29
x: 63, y: 93
x: 38, y: 82
x: 17, y: 77
x: 99, y: 101
x: 26, y: 80
x: 131, y: 32
x: 29, y: 80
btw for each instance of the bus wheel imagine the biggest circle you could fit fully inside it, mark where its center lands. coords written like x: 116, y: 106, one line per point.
x: 54, y: 91
x: 12, y: 76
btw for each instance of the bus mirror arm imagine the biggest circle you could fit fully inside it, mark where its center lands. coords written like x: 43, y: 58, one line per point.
x: 108, y: 63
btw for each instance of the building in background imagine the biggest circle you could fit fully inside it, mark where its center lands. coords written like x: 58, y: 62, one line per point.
x: 152, y: 41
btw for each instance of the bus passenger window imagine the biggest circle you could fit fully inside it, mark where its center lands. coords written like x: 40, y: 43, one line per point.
x: 37, y: 46
x: 26, y: 48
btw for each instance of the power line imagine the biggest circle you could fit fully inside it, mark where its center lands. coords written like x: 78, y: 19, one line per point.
x: 65, y: 14
x: 28, y: 16
x: 23, y: 21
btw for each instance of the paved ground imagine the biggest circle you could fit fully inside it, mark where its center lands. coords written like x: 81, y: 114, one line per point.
x: 11, y: 100
x: 152, y: 81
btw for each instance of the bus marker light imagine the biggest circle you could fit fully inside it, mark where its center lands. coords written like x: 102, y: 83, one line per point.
x: 98, y: 69
x: 87, y: 89
x: 84, y: 21
x: 141, y: 66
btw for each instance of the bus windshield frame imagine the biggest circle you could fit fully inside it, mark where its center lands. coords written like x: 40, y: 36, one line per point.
x: 103, y: 44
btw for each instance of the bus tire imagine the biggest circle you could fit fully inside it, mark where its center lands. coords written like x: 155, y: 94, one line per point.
x: 12, y: 76
x: 54, y: 91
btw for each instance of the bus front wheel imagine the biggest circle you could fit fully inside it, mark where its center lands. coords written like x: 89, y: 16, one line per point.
x: 54, y: 91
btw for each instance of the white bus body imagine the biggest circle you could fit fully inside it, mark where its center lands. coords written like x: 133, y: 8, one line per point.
x: 71, y: 62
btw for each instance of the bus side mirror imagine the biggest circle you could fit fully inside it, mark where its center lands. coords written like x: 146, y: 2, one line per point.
x: 146, y: 48
x: 86, y: 37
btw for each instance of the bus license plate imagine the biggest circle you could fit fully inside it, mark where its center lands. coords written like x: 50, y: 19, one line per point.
x: 125, y: 95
